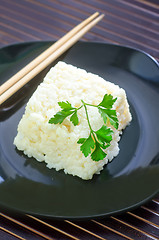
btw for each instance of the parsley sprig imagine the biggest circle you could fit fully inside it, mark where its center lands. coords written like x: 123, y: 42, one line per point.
x: 99, y: 140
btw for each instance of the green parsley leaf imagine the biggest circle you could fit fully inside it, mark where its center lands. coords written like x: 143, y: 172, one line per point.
x: 87, y: 146
x: 103, y: 114
x: 81, y: 140
x: 59, y: 117
x: 65, y: 105
x: 109, y: 114
x: 104, y: 135
x: 107, y: 101
x: 98, y: 154
x: 74, y: 118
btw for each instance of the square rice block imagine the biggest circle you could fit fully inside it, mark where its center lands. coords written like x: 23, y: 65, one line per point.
x: 56, y: 145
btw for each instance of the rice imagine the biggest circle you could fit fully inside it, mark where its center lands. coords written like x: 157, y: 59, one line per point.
x: 57, y: 144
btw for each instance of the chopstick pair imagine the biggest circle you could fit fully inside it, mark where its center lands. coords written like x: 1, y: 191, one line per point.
x: 44, y: 59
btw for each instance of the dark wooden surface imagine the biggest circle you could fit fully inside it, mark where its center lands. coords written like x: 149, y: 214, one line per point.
x: 133, y: 23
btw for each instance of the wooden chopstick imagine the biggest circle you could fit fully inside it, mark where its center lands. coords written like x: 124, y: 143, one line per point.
x: 45, y: 54
x: 43, y: 60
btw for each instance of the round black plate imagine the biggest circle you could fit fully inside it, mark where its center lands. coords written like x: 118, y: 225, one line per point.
x: 130, y: 180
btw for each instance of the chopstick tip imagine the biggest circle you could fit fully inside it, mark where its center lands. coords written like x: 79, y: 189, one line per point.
x: 102, y: 15
x: 96, y: 13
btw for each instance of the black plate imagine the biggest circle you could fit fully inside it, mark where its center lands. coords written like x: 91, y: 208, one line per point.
x: 130, y: 180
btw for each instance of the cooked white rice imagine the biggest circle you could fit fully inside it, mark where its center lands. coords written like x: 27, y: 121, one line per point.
x: 57, y: 144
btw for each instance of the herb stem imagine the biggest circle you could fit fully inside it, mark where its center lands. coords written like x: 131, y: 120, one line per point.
x: 87, y: 104
x: 79, y: 107
x: 87, y: 116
